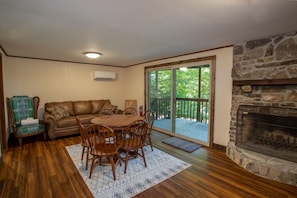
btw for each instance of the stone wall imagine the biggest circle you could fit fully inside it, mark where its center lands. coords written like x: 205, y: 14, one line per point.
x: 269, y: 58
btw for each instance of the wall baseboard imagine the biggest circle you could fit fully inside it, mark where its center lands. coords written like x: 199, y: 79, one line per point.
x: 219, y: 147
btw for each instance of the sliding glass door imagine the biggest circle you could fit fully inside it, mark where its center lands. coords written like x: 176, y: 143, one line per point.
x: 159, y: 96
x: 180, y: 97
x: 191, y: 102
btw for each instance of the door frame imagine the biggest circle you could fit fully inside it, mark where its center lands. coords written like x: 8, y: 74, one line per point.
x: 2, y: 117
x: 212, y: 59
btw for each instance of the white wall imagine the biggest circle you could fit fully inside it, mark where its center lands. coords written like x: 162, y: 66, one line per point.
x: 135, y: 84
x: 59, y: 81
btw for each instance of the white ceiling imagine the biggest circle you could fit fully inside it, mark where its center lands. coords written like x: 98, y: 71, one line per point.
x: 134, y: 31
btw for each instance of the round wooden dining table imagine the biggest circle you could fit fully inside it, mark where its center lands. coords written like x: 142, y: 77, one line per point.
x: 116, y: 121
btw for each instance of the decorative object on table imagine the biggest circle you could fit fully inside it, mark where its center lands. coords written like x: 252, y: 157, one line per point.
x: 149, y: 118
x: 182, y: 144
x: 22, y: 114
x: 133, y: 140
x: 160, y: 166
x: 104, y: 144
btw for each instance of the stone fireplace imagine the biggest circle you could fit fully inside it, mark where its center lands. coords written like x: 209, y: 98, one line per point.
x: 263, y: 128
x: 268, y: 130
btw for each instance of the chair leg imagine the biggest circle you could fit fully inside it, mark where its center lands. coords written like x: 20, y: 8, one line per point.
x: 119, y: 158
x: 112, y: 166
x: 126, y: 161
x: 82, y: 153
x: 20, y: 141
x: 87, y: 160
x: 150, y: 141
x: 92, y: 166
x: 143, y: 156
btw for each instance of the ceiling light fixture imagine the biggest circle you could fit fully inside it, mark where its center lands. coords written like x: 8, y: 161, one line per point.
x: 92, y: 54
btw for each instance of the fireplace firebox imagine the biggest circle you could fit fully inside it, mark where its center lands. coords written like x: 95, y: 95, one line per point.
x: 268, y: 130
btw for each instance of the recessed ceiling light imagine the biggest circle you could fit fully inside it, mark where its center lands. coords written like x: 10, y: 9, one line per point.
x: 92, y: 54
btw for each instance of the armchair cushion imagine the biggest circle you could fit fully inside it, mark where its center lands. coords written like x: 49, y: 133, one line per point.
x: 28, y: 129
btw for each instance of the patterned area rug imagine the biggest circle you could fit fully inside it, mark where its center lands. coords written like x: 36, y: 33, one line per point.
x: 160, y: 166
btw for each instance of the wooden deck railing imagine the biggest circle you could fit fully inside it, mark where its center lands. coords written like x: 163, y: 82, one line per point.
x: 186, y: 108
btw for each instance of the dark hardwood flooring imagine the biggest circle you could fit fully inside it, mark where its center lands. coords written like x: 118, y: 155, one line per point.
x: 44, y: 169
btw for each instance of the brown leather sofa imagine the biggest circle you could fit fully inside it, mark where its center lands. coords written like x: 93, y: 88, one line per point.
x: 59, y: 117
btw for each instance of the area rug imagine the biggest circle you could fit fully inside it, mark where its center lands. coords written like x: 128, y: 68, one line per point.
x: 182, y: 144
x: 160, y: 166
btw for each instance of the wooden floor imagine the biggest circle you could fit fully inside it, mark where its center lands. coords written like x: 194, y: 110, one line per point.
x: 44, y: 169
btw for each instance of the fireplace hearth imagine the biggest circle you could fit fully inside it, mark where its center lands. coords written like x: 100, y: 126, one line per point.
x: 268, y: 130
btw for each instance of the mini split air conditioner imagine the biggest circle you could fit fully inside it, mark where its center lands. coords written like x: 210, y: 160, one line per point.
x: 104, y: 75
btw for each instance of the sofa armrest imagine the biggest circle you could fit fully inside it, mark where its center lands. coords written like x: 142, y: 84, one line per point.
x: 47, y: 117
x: 51, y: 123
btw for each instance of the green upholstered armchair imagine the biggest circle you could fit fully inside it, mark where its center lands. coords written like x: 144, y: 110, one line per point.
x: 22, y: 114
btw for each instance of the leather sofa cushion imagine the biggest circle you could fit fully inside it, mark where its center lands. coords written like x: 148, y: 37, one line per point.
x: 98, y: 104
x: 67, y: 105
x: 86, y: 118
x: 66, y: 122
x: 70, y: 121
x: 82, y: 107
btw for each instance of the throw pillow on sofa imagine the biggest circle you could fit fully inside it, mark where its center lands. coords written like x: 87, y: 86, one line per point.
x: 108, y: 108
x: 59, y: 112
